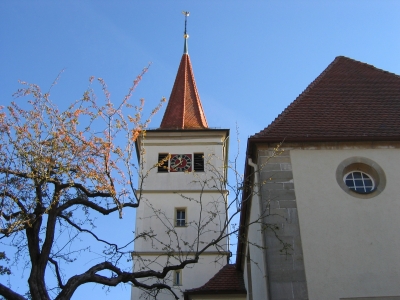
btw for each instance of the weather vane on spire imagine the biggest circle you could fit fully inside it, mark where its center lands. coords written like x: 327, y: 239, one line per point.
x: 185, y: 35
x: 186, y: 13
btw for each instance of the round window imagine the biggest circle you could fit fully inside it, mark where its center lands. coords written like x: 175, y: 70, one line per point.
x: 360, y: 177
x: 359, y: 182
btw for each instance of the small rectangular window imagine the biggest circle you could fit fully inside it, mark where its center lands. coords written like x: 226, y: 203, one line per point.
x: 162, y: 163
x: 198, y: 159
x: 178, y: 277
x: 180, y: 217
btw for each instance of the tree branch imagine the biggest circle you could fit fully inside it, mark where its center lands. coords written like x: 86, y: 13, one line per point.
x: 12, y: 216
x: 10, y: 294
x: 91, y: 276
x: 84, y: 190
x: 16, y: 200
x: 54, y: 262
x: 87, y: 231
x: 16, y: 173
x: 92, y: 205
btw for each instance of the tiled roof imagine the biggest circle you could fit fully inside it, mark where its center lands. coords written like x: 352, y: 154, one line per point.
x: 184, y: 110
x: 350, y: 100
x: 228, y: 280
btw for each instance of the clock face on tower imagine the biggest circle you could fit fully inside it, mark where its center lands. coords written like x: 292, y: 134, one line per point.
x: 181, y: 163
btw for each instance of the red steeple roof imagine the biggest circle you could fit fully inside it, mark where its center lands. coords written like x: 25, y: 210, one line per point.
x: 184, y: 110
x: 350, y: 100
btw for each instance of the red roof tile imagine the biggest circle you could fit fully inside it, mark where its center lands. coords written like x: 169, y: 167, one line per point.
x: 228, y: 280
x: 350, y: 100
x: 184, y: 110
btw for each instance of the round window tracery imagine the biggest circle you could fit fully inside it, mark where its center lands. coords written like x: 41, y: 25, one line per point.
x: 360, y: 177
x: 359, y: 182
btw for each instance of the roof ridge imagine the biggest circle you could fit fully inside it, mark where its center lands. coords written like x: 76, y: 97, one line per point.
x: 310, y: 86
x: 185, y: 86
x: 201, y: 115
x: 366, y: 65
x: 336, y: 104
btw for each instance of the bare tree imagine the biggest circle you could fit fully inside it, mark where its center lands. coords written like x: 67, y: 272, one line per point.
x: 56, y: 168
x: 59, y: 168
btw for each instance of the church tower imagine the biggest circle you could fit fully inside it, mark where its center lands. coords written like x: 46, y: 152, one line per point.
x: 182, y: 215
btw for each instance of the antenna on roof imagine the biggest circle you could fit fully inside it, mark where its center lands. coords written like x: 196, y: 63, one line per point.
x: 185, y: 35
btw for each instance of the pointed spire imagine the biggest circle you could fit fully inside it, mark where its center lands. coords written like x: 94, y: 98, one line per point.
x: 184, y: 109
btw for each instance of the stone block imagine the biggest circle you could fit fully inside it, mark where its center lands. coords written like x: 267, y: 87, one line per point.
x: 298, y: 262
x: 300, y: 290
x: 293, y: 217
x: 274, y: 245
x: 275, y: 219
x: 288, y: 185
x: 279, y: 195
x: 272, y: 229
x: 373, y: 298
x: 271, y: 167
x: 281, y: 290
x: 267, y: 153
x: 276, y: 176
x: 290, y: 230
x: 272, y: 186
x: 273, y: 160
x: 272, y: 152
x: 281, y: 213
x: 287, y: 276
x: 270, y: 204
x: 284, y: 152
x: 277, y: 262
x: 297, y: 246
x: 286, y: 167
x: 287, y: 204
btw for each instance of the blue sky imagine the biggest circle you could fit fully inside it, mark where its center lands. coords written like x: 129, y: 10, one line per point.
x: 251, y: 59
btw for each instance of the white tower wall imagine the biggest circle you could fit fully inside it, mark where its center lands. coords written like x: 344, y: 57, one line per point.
x: 202, y: 195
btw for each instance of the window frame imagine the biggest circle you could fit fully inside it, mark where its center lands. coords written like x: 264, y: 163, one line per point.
x: 364, y: 177
x: 365, y: 165
x: 177, y: 210
x: 177, y: 277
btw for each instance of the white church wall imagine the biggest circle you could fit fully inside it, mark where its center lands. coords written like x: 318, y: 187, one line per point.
x: 156, y: 214
x: 350, y: 244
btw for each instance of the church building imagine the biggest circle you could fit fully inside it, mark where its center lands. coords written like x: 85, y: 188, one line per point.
x: 320, y: 208
x: 324, y: 177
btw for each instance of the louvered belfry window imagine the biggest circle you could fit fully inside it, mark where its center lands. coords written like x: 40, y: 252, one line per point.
x: 163, y: 165
x: 198, y: 162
